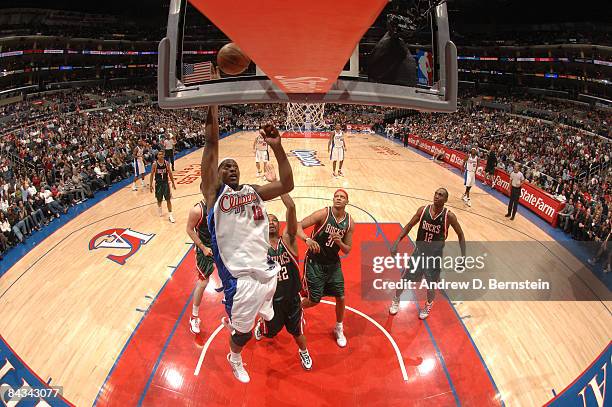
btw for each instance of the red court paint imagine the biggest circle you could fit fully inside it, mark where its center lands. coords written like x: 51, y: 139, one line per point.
x: 301, y: 46
x: 366, y: 371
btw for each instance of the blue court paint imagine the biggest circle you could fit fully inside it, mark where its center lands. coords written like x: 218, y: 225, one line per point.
x: 474, y: 345
x: 161, y: 354
x: 136, y: 329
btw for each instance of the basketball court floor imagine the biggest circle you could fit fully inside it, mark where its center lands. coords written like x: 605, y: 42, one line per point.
x: 101, y: 307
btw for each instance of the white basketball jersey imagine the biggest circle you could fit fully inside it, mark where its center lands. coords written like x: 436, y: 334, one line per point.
x: 260, y: 144
x: 472, y: 163
x: 239, y: 232
x: 338, y: 141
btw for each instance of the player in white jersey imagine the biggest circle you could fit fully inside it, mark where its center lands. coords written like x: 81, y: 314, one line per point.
x: 260, y: 147
x: 337, y: 146
x: 138, y: 163
x: 469, y: 175
x: 238, y: 225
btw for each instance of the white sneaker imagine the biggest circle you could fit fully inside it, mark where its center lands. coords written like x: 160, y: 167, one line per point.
x: 240, y: 372
x: 394, y: 308
x: 159, y: 211
x: 171, y: 218
x: 464, y: 198
x: 426, y: 310
x: 591, y: 262
x: 142, y: 183
x: 258, y: 334
x: 340, y: 174
x: 134, y: 187
x: 340, y: 338
x: 194, y: 325
x: 469, y: 202
x: 305, y: 359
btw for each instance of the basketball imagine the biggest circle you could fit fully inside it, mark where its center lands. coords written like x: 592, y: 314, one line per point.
x: 231, y: 60
x: 411, y: 192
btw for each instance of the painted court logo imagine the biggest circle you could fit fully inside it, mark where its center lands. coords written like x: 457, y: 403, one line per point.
x: 308, y: 158
x: 119, y: 238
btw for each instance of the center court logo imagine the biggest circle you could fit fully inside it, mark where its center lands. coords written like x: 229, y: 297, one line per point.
x: 119, y: 238
x: 308, y: 158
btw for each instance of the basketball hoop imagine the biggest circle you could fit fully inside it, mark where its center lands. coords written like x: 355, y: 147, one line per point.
x: 305, y: 116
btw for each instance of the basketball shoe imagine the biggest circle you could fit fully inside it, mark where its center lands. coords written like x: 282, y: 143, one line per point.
x: 340, y: 338
x: 240, y: 372
x: 394, y: 308
x: 171, y: 218
x: 305, y: 359
x: 194, y: 325
x: 425, y: 310
x: 258, y: 332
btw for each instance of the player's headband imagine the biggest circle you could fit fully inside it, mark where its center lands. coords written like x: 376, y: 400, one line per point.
x: 341, y: 190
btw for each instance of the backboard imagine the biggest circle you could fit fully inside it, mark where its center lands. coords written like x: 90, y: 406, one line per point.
x: 377, y: 52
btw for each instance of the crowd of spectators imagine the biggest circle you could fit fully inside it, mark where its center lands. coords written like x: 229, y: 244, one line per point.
x: 580, y: 115
x: 57, y: 163
x: 48, y: 168
x: 569, y: 164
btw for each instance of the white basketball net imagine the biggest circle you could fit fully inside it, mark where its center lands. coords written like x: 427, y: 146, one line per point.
x: 305, y: 116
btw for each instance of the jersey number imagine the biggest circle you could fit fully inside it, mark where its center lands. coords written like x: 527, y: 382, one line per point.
x: 428, y: 237
x: 257, y: 212
x: 330, y: 241
x: 283, y: 274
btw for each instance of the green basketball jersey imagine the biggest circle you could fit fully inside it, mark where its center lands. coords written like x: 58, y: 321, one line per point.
x: 329, y: 249
x: 432, y: 231
x: 289, y: 284
x: 202, y: 226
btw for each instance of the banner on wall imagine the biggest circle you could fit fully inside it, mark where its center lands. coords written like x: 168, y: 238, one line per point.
x: 532, y: 197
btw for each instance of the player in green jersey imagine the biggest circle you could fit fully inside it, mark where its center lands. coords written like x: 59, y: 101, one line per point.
x: 333, y: 231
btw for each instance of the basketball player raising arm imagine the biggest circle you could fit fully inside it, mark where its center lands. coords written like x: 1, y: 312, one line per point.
x: 215, y: 172
x: 287, y: 305
x: 238, y: 224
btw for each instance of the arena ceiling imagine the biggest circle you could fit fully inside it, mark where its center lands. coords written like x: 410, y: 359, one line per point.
x: 464, y: 11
